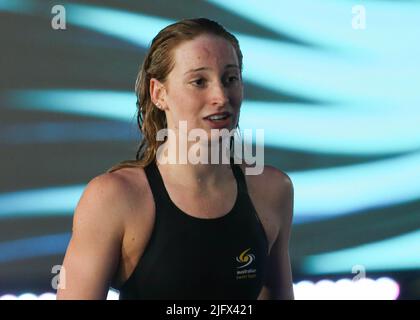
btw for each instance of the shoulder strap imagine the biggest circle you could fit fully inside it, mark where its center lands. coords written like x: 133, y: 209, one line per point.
x: 239, y: 176
x: 160, y: 194
x: 158, y: 187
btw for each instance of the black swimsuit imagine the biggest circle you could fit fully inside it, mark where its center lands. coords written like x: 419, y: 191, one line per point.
x: 197, y: 258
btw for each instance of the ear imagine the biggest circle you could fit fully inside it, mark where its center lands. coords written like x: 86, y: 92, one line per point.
x: 158, y: 93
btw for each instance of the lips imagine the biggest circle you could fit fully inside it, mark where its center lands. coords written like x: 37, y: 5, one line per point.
x: 219, y: 120
x: 218, y: 116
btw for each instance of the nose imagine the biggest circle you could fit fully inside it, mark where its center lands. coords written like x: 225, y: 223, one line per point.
x: 219, y: 96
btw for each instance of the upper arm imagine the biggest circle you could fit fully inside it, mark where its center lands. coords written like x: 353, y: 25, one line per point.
x: 92, y: 256
x: 279, y: 278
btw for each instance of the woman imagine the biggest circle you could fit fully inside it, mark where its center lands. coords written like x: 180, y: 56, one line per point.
x: 160, y: 230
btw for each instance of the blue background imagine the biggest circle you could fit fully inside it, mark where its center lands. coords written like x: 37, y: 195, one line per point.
x: 340, y: 108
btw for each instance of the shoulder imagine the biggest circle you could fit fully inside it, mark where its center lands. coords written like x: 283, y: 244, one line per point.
x: 272, y: 191
x: 108, y: 188
x: 279, y: 182
x: 124, y: 182
x: 271, y: 182
x: 110, y: 197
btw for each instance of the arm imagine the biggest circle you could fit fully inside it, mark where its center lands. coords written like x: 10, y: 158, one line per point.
x: 93, y: 253
x: 279, y: 280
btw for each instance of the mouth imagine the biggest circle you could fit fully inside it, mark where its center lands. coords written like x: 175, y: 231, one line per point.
x: 219, y: 120
x: 218, y: 116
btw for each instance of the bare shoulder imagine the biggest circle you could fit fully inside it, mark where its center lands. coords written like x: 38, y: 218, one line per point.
x: 101, y: 201
x: 93, y: 253
x: 280, y: 182
x: 271, y: 192
x: 137, y: 212
x: 112, y: 196
x: 109, y: 188
x: 271, y: 182
x: 127, y: 182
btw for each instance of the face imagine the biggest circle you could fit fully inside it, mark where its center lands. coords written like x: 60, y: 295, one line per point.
x: 205, y: 80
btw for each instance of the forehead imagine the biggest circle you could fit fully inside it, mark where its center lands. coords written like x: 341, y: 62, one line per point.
x: 204, y: 51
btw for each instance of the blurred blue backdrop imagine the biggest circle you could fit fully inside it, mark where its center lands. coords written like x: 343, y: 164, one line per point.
x: 340, y: 107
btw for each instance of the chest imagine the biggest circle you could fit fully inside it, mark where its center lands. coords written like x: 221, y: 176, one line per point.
x: 203, y: 204
x: 140, y: 226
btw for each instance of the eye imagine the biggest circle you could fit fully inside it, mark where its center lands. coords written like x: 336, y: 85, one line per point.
x: 232, y: 79
x: 199, y: 82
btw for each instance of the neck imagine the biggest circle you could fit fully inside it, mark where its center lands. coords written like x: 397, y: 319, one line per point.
x: 188, y: 173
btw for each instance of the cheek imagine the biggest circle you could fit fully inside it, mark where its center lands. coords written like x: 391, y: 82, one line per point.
x: 236, y: 99
x: 186, y: 104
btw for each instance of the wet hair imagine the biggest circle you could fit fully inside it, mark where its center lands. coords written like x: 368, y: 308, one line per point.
x: 157, y: 64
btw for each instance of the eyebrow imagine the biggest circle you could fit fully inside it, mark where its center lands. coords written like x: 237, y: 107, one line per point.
x: 206, y: 68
